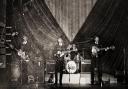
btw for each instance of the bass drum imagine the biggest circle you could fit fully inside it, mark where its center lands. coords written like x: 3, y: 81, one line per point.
x: 71, y: 67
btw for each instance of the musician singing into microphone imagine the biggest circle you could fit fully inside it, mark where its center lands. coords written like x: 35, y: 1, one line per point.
x: 59, y: 59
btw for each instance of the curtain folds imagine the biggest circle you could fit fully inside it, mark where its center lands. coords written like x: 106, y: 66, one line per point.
x: 42, y: 26
x: 3, y: 5
x: 41, y: 30
x: 107, y: 20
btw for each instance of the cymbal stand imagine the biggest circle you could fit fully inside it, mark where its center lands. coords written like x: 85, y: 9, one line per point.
x: 69, y: 72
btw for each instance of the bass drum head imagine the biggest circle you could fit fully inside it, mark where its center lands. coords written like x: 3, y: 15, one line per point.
x: 71, y: 67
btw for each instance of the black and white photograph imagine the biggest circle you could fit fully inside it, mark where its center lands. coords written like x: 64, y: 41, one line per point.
x: 63, y: 44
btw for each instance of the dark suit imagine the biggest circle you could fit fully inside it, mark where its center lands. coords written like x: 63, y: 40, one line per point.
x: 59, y: 64
x: 96, y: 64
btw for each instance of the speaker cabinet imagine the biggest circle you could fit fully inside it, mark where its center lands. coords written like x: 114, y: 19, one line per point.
x: 85, y: 66
x: 120, y: 77
x: 2, y: 61
x: 50, y: 66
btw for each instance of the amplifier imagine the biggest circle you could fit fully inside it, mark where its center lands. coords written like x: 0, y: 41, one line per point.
x: 2, y: 61
x: 50, y: 66
x: 85, y: 66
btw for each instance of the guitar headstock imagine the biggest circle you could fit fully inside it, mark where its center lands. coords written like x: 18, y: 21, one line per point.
x: 112, y: 47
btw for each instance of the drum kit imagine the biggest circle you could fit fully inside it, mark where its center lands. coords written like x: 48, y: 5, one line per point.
x: 72, y: 65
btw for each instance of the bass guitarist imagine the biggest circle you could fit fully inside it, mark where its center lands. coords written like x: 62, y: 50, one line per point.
x: 96, y: 62
x: 59, y: 60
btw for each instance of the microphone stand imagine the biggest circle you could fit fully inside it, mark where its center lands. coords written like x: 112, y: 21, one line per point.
x: 21, y: 63
x: 83, y: 42
x: 124, y: 71
x: 69, y: 73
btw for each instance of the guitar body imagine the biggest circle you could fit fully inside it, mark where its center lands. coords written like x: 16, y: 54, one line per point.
x: 95, y: 50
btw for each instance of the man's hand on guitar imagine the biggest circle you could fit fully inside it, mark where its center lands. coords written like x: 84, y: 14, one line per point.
x: 59, y: 54
x: 95, y: 49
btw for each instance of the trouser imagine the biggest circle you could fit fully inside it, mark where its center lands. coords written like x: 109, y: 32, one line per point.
x: 60, y: 77
x: 99, y: 67
x: 59, y: 72
x: 95, y: 63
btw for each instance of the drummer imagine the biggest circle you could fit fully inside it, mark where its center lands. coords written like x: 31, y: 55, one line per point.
x: 73, y: 49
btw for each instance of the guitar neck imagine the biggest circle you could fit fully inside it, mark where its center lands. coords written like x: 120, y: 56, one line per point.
x: 103, y: 49
x: 107, y: 48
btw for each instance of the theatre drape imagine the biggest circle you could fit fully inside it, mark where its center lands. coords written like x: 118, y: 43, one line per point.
x: 35, y: 21
x: 108, y: 20
x: 3, y: 13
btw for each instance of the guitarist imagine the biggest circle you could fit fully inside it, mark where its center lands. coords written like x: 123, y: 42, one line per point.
x: 96, y: 51
x: 59, y: 60
x: 96, y: 62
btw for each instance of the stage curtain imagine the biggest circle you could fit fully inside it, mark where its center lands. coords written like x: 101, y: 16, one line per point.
x: 36, y: 23
x: 2, y: 13
x: 108, y: 20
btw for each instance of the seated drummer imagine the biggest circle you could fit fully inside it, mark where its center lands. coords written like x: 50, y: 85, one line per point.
x: 73, y: 49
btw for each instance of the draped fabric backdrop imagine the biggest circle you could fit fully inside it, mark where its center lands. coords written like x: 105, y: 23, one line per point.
x: 108, y: 20
x: 70, y: 14
x: 2, y: 13
x: 42, y: 31
x: 42, y: 26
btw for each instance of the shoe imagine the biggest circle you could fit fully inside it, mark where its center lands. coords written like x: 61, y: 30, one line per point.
x: 55, y: 84
x: 60, y: 84
x: 92, y: 83
x: 50, y: 81
x: 102, y: 83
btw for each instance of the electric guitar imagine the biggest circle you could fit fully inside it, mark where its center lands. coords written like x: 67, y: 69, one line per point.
x: 95, y: 50
x: 62, y: 53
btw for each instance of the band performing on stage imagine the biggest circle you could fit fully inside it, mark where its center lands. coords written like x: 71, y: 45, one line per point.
x: 63, y: 44
x: 67, y: 60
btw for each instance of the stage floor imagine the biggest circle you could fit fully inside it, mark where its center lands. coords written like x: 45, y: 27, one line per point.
x: 82, y: 78
x: 77, y: 81
x: 71, y: 86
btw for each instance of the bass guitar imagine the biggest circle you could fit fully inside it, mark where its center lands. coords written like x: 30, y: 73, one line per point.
x: 95, y: 50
